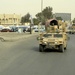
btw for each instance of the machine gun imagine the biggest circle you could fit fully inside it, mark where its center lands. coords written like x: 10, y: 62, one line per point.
x: 53, y: 26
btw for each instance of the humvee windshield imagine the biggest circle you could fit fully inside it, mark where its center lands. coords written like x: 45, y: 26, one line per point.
x: 47, y: 35
x: 73, y: 25
x: 58, y: 35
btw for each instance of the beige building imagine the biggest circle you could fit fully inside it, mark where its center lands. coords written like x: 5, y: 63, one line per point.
x: 10, y: 19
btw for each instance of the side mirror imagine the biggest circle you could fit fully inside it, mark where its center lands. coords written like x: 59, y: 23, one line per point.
x: 38, y: 38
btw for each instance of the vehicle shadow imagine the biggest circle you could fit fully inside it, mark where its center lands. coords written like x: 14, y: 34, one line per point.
x: 51, y: 51
x: 35, y: 49
x: 46, y: 50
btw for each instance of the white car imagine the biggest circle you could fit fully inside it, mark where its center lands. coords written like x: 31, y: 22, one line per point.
x: 36, y: 29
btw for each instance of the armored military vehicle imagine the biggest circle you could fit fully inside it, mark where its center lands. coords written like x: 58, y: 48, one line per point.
x: 72, y: 29
x: 54, y: 37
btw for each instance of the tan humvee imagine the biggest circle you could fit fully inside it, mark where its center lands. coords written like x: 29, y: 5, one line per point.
x: 55, y: 36
x: 53, y: 41
x: 72, y: 29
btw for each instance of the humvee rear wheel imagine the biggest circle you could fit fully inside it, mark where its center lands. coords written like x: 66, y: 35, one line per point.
x: 61, y: 48
x: 41, y: 48
x: 65, y: 48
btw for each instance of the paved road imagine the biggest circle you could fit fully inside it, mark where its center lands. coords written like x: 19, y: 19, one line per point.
x: 23, y: 58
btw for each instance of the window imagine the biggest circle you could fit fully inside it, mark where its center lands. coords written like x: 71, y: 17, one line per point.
x: 10, y: 18
x: 47, y: 35
x: 58, y: 35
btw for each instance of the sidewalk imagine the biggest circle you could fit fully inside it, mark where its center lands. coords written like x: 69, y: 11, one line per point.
x: 14, y: 36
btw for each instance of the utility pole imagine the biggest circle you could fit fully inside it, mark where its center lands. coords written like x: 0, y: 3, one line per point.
x: 41, y: 10
x: 4, y: 19
x: 14, y: 19
x: 31, y: 24
x: 41, y: 15
x: 41, y: 5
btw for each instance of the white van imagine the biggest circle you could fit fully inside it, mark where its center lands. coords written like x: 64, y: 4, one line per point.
x: 37, y: 29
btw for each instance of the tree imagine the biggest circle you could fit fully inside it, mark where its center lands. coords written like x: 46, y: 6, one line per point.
x: 22, y: 20
x: 59, y: 18
x: 38, y: 15
x: 45, y: 14
x: 36, y: 21
x: 25, y: 18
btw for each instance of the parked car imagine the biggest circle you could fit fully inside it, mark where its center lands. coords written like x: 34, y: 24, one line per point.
x: 24, y: 28
x: 6, y: 30
x: 37, y: 29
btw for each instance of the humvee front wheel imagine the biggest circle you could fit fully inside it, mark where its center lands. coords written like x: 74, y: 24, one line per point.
x: 41, y: 48
x: 61, y: 48
x: 65, y: 48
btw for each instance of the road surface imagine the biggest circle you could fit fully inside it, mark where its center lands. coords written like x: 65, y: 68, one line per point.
x: 23, y: 58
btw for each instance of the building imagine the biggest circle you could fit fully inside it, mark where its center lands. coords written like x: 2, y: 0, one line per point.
x: 64, y: 16
x: 10, y: 19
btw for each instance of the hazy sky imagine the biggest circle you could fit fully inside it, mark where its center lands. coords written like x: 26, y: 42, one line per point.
x: 34, y: 6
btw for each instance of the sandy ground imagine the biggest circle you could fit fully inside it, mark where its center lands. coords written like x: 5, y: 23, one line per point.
x: 12, y: 36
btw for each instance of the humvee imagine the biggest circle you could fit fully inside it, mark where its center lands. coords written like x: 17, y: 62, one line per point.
x: 72, y: 29
x: 53, y: 41
x: 54, y: 37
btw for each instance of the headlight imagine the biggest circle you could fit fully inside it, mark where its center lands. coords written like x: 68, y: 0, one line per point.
x: 45, y: 42
x: 41, y: 38
x: 56, y: 42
